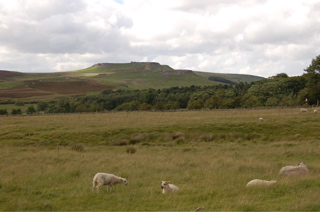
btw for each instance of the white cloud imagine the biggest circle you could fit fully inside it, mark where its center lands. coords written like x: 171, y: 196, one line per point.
x: 250, y: 36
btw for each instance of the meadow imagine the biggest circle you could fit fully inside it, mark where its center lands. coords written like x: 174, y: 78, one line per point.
x: 47, y: 162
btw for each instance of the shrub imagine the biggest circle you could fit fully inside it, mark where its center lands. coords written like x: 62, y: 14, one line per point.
x: 176, y: 135
x: 18, y: 103
x: 78, y: 147
x: 136, y: 138
x: 16, y: 111
x: 180, y: 140
x: 31, y: 110
x: 42, y: 106
x: 206, y: 137
x: 3, y: 112
x: 131, y: 150
x: 121, y: 142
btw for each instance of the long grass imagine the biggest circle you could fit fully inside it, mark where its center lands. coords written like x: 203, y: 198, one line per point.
x: 209, y: 155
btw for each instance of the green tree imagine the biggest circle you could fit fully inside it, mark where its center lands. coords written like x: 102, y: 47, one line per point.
x: 145, y: 106
x: 3, y: 112
x: 195, y: 104
x: 312, y: 91
x: 250, y: 100
x: 272, y: 101
x: 214, y: 102
x: 129, y: 106
x: 16, y: 111
x: 172, y: 105
x: 289, y: 100
x: 42, y: 106
x: 314, y: 67
x: 159, y: 106
x: 31, y: 110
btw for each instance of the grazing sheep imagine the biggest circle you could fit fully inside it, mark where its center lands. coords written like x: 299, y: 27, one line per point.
x: 303, y: 110
x: 300, y: 169
x: 262, y: 183
x: 315, y: 111
x: 168, y: 188
x: 261, y: 119
x: 101, y: 179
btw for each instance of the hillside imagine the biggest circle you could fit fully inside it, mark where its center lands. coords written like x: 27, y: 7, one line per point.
x: 102, y: 76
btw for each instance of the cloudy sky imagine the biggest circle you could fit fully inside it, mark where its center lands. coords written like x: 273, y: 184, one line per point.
x: 258, y: 37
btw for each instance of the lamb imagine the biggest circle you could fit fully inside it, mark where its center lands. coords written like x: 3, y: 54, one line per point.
x: 168, y: 188
x: 303, y: 110
x: 101, y: 179
x: 262, y: 183
x: 300, y: 169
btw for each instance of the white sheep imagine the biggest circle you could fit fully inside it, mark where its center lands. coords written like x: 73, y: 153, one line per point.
x: 303, y: 110
x: 261, y: 119
x: 101, y: 179
x: 300, y: 169
x: 168, y: 188
x: 262, y: 183
x: 315, y: 111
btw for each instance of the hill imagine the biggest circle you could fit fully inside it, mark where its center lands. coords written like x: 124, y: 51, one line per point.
x: 102, y: 76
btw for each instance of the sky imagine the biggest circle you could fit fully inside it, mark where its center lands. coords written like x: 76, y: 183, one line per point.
x: 256, y: 37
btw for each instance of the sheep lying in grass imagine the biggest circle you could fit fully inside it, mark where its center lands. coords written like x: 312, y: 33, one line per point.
x: 300, y: 169
x: 262, y: 183
x: 303, y: 110
x: 168, y: 188
x: 261, y: 119
x: 101, y: 179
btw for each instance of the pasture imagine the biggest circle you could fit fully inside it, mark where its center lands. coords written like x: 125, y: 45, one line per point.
x: 47, y: 162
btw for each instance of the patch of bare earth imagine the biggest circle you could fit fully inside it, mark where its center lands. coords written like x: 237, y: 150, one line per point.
x: 5, y: 75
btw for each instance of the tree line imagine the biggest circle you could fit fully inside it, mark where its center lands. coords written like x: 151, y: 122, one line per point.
x: 280, y: 90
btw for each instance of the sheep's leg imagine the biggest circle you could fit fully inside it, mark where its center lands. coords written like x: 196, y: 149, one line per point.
x: 94, y: 184
x: 110, y: 188
x: 98, y: 187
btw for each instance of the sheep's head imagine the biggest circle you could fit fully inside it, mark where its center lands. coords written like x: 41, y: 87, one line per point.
x: 124, y: 181
x: 301, y: 164
x: 164, y: 184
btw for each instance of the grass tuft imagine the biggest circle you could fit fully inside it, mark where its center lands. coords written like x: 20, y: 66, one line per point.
x: 131, y: 150
x: 79, y: 147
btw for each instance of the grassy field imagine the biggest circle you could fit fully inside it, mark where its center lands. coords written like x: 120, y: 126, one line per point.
x: 47, y: 162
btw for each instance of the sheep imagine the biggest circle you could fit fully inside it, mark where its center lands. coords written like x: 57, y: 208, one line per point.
x: 261, y: 119
x: 315, y: 111
x: 101, y: 179
x: 168, y: 188
x: 300, y: 169
x: 303, y: 110
x: 262, y: 183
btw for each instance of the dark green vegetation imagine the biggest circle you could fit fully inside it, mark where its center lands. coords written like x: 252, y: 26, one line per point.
x: 47, y: 162
x: 280, y: 90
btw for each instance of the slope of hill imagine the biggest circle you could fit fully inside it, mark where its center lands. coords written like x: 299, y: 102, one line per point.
x: 236, y: 78
x: 102, y: 76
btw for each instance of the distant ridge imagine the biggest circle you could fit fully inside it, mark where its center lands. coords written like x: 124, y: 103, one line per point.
x: 132, y: 62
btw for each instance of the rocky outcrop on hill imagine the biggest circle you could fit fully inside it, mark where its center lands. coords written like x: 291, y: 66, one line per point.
x: 111, y: 64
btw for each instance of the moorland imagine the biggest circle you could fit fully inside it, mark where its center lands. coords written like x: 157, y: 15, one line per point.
x: 47, y: 162
x: 106, y: 76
